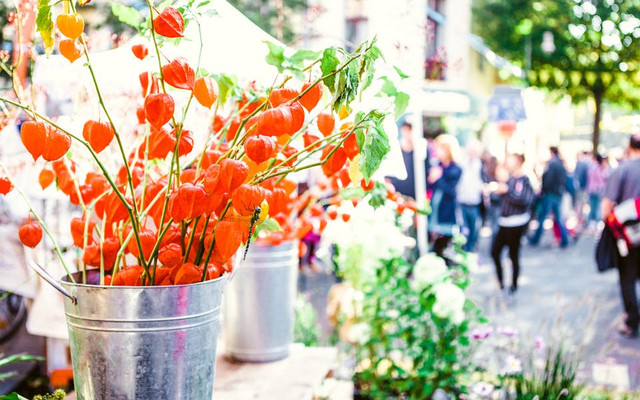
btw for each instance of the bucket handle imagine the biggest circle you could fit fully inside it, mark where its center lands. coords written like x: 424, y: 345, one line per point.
x: 51, y: 280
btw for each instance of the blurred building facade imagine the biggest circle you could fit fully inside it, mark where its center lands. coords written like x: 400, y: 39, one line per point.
x: 455, y: 79
x: 456, y: 75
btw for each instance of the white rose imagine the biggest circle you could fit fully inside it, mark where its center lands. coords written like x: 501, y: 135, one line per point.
x: 428, y: 270
x: 359, y: 333
x: 449, y: 302
x: 351, y: 303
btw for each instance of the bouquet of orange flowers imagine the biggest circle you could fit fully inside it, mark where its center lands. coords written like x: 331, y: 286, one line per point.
x: 175, y: 214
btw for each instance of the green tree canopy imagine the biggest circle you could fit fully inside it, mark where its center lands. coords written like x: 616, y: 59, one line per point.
x: 273, y: 16
x: 583, y: 48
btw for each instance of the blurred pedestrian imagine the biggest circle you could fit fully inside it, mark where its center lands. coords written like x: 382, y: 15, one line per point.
x: 580, y: 180
x: 624, y: 184
x: 443, y: 180
x: 553, y: 187
x: 596, y: 182
x: 407, y: 186
x: 469, y: 192
x: 517, y: 197
x: 491, y: 171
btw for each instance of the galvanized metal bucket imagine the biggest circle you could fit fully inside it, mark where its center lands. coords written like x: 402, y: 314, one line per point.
x: 258, y: 306
x: 143, y: 343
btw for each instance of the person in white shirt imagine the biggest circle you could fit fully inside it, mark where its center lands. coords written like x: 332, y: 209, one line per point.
x: 469, y: 192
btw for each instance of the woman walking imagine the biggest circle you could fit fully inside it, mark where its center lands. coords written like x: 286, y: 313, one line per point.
x: 517, y: 196
x: 443, y: 180
x: 596, y: 182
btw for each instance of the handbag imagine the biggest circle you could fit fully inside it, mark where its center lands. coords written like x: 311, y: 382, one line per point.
x: 607, y: 254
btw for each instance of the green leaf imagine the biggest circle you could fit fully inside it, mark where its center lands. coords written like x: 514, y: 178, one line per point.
x: 13, y: 396
x: 275, y: 56
x: 352, y: 192
x: 400, y: 73
x: 226, y: 86
x: 347, y: 87
x: 328, y: 64
x: 360, y: 132
x: 401, y: 102
x: 375, y: 147
x: 302, y: 55
x: 126, y: 15
x: 44, y: 25
x: 388, y: 87
x: 366, y: 71
x: 19, y: 358
x: 268, y: 225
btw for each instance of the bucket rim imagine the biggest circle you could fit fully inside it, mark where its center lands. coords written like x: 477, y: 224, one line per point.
x: 63, y: 280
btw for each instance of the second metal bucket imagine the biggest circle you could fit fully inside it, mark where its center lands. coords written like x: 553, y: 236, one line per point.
x: 143, y: 343
x: 258, y: 306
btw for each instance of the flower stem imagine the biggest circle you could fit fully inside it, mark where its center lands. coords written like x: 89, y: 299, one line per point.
x: 43, y: 225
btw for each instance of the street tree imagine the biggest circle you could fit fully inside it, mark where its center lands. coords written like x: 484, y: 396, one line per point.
x: 276, y: 17
x: 581, y: 48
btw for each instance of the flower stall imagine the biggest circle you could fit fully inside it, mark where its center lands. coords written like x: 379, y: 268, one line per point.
x: 166, y: 212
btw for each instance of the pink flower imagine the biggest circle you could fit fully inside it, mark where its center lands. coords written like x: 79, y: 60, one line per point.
x: 539, y: 342
x: 508, y: 331
x: 482, y: 333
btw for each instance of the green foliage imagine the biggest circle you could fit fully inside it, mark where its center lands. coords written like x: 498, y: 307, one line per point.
x: 127, y: 15
x: 264, y: 13
x: 346, y: 75
x: 373, y: 142
x: 227, y: 87
x: 400, y: 99
x: 275, y: 56
x: 12, y: 396
x: 411, y: 350
x: 13, y: 359
x: 57, y: 395
x: 295, y: 64
x: 594, y: 44
x: 44, y: 24
x: 305, y: 328
x: 328, y: 64
x: 347, y: 86
x: 597, y: 46
x: 268, y: 225
x: 555, y: 380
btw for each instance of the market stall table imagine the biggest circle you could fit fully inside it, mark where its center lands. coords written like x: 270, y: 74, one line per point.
x: 294, y: 378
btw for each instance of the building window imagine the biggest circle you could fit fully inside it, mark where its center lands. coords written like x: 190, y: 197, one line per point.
x: 435, y: 62
x: 356, y: 32
x: 356, y: 24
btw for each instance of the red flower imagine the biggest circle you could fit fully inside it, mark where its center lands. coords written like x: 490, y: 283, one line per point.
x: 169, y: 23
x: 30, y: 234
x: 188, y: 202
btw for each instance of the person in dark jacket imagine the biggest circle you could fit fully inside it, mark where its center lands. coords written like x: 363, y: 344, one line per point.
x: 624, y: 184
x: 443, y: 181
x: 406, y: 187
x: 554, y: 182
x: 517, y: 196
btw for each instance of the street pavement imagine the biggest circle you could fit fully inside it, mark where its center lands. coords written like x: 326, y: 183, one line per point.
x: 563, y: 299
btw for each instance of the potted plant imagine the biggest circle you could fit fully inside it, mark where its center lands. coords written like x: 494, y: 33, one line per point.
x: 259, y: 301
x: 161, y: 221
x: 406, y: 325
